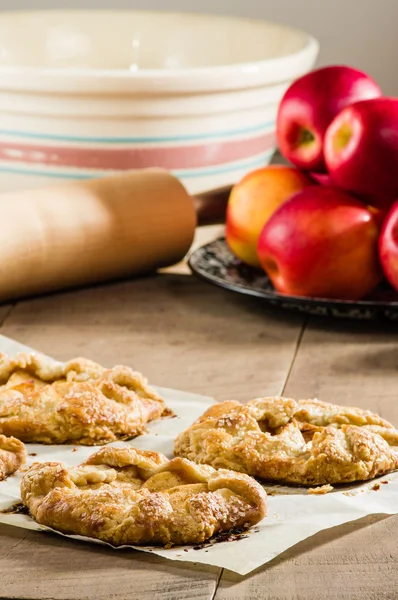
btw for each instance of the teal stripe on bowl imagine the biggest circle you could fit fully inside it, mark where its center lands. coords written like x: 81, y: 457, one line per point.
x: 248, y: 164
x: 137, y: 140
x: 53, y: 174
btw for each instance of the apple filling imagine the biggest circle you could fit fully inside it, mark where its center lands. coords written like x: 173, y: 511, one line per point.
x: 266, y: 428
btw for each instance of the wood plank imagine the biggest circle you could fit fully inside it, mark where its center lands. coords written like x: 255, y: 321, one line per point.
x: 347, y: 363
x: 356, y: 561
x: 44, y: 566
x: 181, y: 333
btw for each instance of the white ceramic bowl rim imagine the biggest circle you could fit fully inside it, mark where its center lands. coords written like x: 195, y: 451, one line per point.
x: 171, y: 80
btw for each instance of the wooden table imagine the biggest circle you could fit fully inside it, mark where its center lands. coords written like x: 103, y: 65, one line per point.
x: 183, y: 333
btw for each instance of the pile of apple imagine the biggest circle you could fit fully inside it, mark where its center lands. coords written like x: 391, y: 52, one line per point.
x: 327, y: 226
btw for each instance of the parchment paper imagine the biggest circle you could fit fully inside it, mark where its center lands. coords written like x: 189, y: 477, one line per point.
x: 293, y: 514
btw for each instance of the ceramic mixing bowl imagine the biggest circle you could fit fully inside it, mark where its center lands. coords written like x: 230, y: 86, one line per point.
x: 86, y: 94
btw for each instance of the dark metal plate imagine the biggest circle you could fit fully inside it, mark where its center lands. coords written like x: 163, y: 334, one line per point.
x: 215, y: 263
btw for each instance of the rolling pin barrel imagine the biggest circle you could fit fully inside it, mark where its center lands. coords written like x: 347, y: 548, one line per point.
x: 99, y: 230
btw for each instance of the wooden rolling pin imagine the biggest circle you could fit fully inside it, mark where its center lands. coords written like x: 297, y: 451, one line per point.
x: 82, y: 233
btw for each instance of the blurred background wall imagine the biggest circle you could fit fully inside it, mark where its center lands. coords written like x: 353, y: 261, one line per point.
x: 362, y: 33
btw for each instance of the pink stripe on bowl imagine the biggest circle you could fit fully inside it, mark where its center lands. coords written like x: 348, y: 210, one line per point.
x: 174, y: 157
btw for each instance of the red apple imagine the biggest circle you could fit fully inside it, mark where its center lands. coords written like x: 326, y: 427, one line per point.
x: 322, y: 243
x: 388, y: 247
x: 310, y: 105
x: 361, y: 150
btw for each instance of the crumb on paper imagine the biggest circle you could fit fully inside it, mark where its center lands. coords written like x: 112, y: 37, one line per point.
x: 353, y: 493
x: 74, y: 449
x: 33, y: 454
x: 275, y: 516
x: 322, y: 489
x: 384, y: 482
x: 376, y: 487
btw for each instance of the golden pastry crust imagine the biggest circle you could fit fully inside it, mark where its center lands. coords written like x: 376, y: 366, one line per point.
x: 78, y: 402
x: 306, y: 442
x: 12, y: 456
x: 131, y: 496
